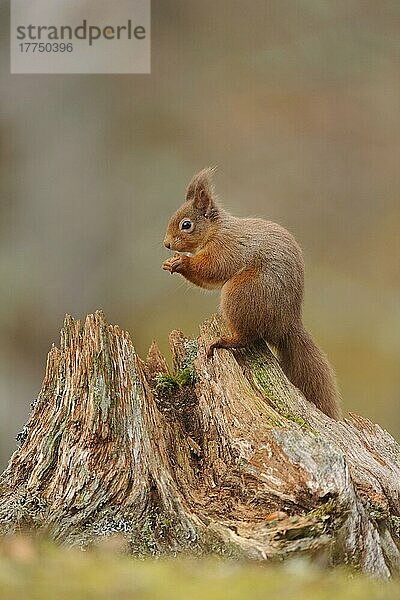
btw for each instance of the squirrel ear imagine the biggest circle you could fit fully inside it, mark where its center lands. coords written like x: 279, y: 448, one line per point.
x: 200, y: 192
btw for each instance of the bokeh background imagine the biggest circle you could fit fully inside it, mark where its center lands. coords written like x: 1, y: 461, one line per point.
x: 297, y: 102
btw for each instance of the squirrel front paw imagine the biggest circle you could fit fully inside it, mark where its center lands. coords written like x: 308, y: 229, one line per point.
x: 173, y: 264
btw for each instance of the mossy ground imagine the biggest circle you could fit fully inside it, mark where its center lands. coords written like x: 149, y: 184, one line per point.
x: 43, y: 572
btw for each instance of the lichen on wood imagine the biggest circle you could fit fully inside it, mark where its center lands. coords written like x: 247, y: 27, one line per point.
x: 221, y: 455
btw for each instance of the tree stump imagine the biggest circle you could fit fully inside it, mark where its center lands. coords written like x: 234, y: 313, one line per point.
x: 222, y: 456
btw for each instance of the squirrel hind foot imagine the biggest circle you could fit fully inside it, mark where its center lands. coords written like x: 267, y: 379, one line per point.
x: 228, y: 342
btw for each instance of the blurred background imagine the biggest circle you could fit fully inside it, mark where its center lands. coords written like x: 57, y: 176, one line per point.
x: 298, y: 105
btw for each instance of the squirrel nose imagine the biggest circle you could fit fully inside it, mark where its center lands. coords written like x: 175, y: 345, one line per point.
x: 167, y: 245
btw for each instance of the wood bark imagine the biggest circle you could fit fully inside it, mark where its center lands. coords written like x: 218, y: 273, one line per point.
x: 221, y: 456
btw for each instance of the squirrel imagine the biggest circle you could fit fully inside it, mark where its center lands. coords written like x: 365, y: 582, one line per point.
x: 260, y: 269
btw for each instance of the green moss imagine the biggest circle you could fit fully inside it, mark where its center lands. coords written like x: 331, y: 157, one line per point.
x: 186, y: 376
x: 325, y: 512
x: 395, y: 525
x: 269, y: 379
x: 314, y: 523
x: 51, y: 445
x: 267, y: 376
x: 157, y: 533
x: 377, y: 511
x: 143, y: 541
x: 299, y: 421
x: 166, y: 385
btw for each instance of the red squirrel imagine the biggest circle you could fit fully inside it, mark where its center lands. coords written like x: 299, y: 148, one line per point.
x: 260, y: 269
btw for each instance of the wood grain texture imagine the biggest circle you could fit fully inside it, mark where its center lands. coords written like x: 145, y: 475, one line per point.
x: 223, y: 456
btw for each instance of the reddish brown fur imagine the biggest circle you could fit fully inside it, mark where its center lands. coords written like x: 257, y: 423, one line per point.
x: 259, y: 266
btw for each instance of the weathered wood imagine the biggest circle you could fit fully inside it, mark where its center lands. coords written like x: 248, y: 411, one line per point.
x: 223, y: 456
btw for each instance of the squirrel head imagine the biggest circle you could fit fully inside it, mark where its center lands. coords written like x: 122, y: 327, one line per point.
x: 197, y: 219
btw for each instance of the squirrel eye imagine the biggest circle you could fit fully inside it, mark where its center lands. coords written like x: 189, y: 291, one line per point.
x: 186, y: 225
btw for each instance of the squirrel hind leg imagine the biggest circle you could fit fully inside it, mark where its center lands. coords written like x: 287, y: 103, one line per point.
x: 226, y: 342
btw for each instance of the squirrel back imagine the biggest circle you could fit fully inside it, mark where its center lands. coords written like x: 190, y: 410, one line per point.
x: 259, y: 267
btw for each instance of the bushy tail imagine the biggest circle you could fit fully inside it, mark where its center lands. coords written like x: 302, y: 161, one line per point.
x: 307, y: 367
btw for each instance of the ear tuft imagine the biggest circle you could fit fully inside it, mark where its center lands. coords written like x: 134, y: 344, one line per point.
x: 201, y: 192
